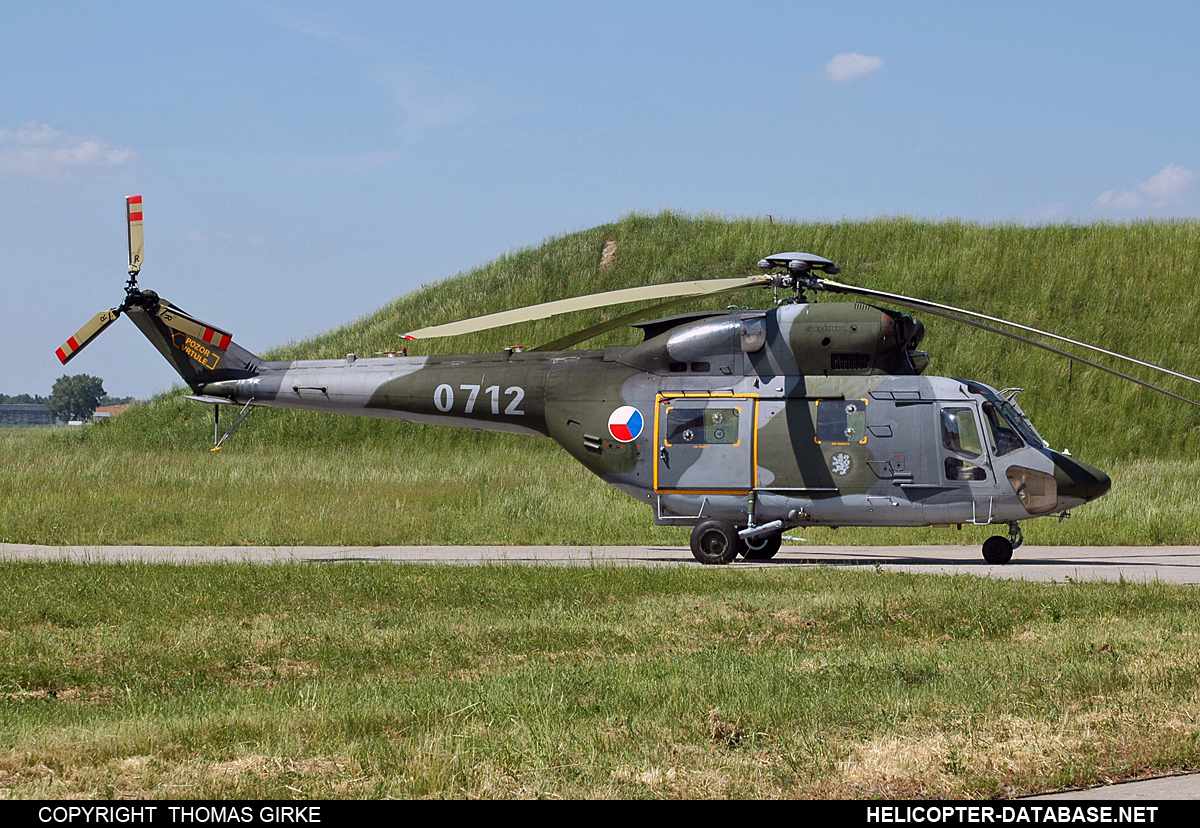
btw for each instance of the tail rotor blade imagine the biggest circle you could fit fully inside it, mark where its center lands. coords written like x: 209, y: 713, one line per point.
x: 699, y: 287
x: 86, y: 334
x: 133, y: 211
x: 174, y: 318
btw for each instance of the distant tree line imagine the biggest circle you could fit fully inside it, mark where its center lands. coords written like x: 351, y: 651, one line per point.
x: 72, y: 397
x: 38, y: 399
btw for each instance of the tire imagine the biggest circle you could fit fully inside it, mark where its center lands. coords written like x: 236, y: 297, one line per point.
x: 715, y: 542
x: 997, y: 550
x: 763, y: 547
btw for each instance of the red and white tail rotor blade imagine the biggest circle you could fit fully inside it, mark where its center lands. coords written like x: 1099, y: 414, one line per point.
x: 200, y: 331
x: 137, y: 245
x: 86, y: 334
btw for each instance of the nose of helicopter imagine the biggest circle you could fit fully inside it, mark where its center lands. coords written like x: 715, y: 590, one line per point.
x: 1079, y: 481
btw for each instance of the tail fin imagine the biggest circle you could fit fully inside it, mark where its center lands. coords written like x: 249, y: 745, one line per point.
x: 198, y: 352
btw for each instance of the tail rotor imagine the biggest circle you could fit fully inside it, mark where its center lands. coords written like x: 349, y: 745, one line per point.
x: 143, y: 300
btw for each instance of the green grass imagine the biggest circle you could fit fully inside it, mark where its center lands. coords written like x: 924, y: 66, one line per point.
x: 373, y: 681
x: 423, y: 487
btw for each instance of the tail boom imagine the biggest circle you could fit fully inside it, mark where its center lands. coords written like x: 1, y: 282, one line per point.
x: 492, y: 393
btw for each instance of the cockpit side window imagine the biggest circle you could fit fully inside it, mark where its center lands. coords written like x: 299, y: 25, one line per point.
x: 959, y: 431
x: 1001, y: 433
x: 960, y: 434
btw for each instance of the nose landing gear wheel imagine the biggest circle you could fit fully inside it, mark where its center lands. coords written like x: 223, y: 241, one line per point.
x: 762, y: 547
x: 997, y: 550
x: 715, y: 542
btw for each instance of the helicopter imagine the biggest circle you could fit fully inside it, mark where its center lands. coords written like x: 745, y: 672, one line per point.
x: 742, y: 424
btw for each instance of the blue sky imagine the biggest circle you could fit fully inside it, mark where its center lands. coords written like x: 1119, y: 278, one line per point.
x: 304, y: 163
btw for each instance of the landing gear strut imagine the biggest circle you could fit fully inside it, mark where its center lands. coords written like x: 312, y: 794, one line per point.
x: 998, y: 549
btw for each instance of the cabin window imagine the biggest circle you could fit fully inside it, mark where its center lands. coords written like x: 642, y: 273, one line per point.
x: 841, y: 422
x: 703, y: 426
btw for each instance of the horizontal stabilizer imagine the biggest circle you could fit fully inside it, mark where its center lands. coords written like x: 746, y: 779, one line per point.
x: 204, y: 398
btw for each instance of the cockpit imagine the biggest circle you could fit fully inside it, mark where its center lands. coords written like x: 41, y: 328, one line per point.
x: 1006, y: 425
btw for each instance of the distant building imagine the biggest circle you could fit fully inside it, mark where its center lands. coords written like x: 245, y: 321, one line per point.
x: 108, y: 411
x: 11, y: 414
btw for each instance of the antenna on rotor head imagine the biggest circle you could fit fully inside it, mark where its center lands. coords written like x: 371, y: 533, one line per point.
x: 137, y: 244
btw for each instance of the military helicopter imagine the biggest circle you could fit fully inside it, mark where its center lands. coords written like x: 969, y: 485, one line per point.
x: 740, y: 423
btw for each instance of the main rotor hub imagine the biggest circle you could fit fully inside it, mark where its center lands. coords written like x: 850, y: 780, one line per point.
x: 797, y: 271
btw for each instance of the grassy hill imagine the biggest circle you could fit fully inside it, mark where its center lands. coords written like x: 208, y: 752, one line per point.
x: 1128, y: 287
x: 300, y: 477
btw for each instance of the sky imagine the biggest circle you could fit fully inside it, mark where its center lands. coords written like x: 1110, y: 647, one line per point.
x: 302, y: 164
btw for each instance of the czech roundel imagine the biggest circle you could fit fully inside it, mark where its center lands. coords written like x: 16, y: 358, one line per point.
x: 625, y: 424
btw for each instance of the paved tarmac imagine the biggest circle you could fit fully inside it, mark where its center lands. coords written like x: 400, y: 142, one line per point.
x: 1169, y: 564
x: 1186, y: 786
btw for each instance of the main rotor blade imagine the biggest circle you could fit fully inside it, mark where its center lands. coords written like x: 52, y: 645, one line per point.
x: 933, y: 307
x: 86, y: 334
x: 564, y: 342
x: 698, y: 287
x: 926, y: 305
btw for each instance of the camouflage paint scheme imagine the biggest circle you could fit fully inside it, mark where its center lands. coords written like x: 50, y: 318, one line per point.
x: 806, y: 414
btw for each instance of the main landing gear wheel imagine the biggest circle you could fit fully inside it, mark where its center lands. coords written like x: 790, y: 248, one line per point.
x: 715, y: 542
x: 762, y: 547
x: 997, y: 550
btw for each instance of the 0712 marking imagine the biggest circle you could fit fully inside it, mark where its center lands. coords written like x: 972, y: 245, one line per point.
x: 443, y: 398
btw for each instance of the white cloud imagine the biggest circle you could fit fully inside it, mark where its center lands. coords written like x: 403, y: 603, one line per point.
x: 1172, y: 186
x: 424, y: 102
x: 849, y: 66
x: 39, y: 151
x: 315, y: 28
